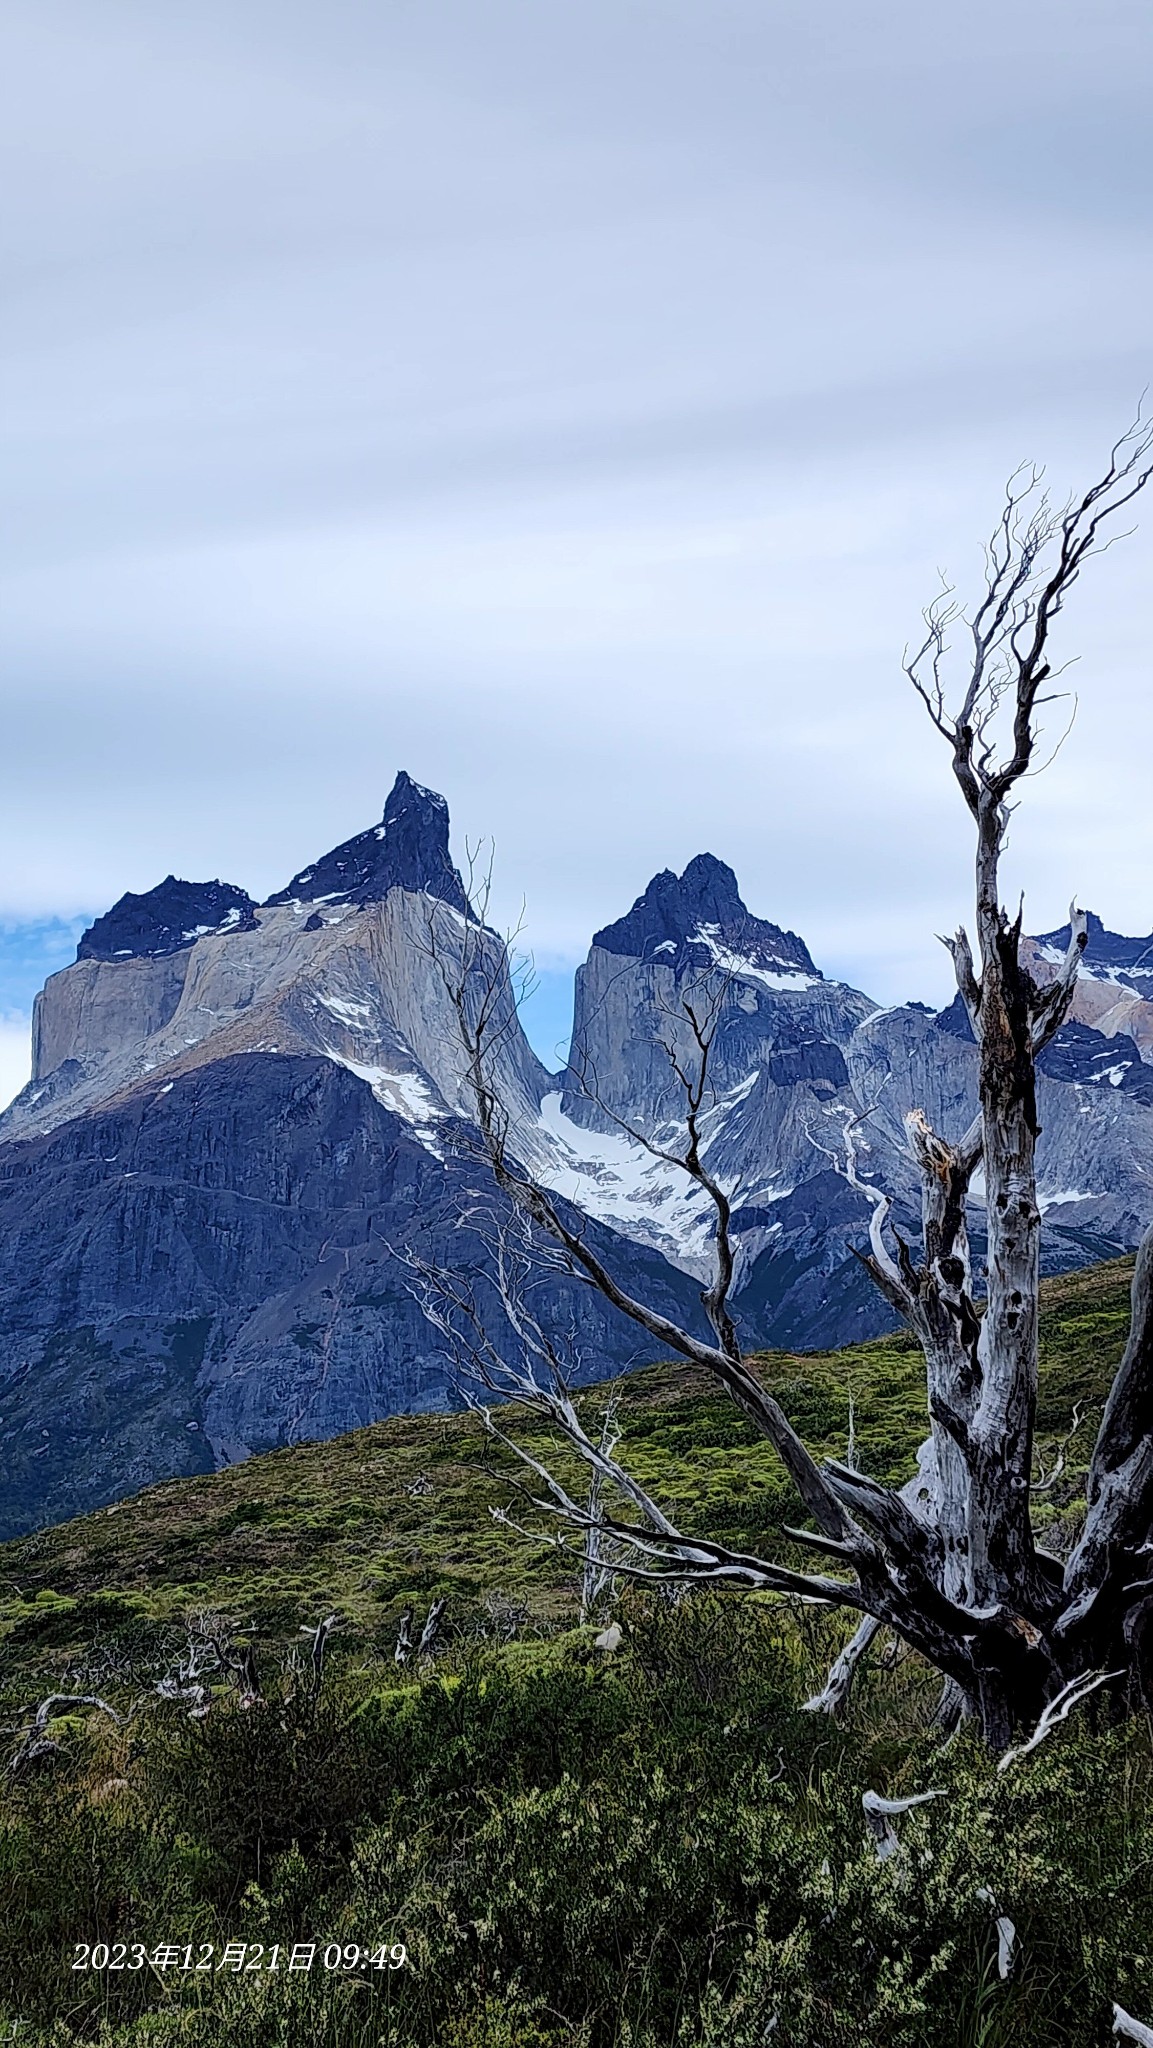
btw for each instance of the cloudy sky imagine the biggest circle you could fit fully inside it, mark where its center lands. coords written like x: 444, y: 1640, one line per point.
x: 574, y: 406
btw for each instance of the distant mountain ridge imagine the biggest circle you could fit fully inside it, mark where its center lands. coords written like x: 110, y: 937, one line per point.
x: 407, y: 850
x: 247, y: 1120
x: 702, y: 910
x: 166, y: 919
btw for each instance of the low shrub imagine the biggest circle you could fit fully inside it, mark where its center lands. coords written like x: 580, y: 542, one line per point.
x: 651, y: 1850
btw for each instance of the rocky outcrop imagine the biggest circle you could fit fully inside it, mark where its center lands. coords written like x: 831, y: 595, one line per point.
x: 700, y: 916
x: 356, y: 976
x: 173, y: 915
x: 778, y: 1077
x: 248, y: 1125
x: 219, y: 1263
x: 407, y: 850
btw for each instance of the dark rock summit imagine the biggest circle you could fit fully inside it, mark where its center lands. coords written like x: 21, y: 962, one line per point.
x: 232, y: 1149
x: 686, y: 911
x: 1126, y: 960
x: 165, y: 919
x: 407, y: 850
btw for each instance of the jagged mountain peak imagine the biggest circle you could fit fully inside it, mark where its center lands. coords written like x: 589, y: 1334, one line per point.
x: 165, y: 919
x: 702, y: 909
x: 407, y: 850
x: 1078, y: 1053
x: 1106, y: 952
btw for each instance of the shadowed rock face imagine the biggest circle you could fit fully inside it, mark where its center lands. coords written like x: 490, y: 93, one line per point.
x: 679, y: 916
x: 219, y: 1265
x: 407, y: 850
x: 778, y: 1076
x: 165, y: 920
x: 246, y: 1120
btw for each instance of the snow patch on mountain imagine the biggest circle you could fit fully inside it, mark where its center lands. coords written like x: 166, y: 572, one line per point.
x: 358, y: 1016
x: 619, y: 1181
x: 749, y: 970
x: 614, y: 1176
x: 406, y: 1095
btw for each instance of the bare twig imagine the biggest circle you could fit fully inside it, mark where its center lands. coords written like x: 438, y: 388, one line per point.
x: 1057, y: 1711
x: 880, y: 1814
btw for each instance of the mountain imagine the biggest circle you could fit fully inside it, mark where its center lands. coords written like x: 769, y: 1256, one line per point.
x: 219, y: 1263
x: 247, y: 1133
x: 407, y: 850
x: 165, y: 920
x: 1095, y: 1151
x: 280, y: 1539
x: 778, y: 1093
x: 345, y: 972
x: 1115, y: 986
x: 235, y: 1140
x: 795, y: 1056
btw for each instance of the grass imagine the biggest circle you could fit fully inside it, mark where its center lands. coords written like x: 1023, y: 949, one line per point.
x: 649, y: 1850
x: 398, y: 1513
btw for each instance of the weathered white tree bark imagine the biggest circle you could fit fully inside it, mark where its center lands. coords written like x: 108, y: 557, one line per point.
x: 839, y: 1683
x: 35, y: 1742
x: 949, y: 1563
x: 1130, y: 2029
x: 879, y: 1817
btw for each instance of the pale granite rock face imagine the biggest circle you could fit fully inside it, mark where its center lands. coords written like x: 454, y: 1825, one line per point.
x: 351, y: 975
x: 246, y: 1120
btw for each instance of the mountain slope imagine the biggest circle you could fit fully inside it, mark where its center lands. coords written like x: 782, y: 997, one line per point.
x: 796, y: 1057
x: 777, y: 1074
x: 221, y: 1262
x: 249, y: 1124
x: 368, y: 1522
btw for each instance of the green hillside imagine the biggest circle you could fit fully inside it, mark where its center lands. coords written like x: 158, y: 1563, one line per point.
x: 370, y: 1522
x: 646, y: 1848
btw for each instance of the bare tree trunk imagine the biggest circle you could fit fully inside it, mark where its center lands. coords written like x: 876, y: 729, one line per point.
x: 949, y: 1562
x: 1001, y: 1432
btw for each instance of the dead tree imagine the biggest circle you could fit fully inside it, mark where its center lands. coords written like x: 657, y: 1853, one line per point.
x: 953, y: 1568
x: 35, y: 1741
x: 430, y: 1635
x: 598, y: 1578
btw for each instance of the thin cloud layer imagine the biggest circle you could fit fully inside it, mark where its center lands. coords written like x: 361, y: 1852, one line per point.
x: 573, y: 407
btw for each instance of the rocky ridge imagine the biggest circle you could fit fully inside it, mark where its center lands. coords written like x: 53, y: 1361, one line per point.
x: 246, y: 1121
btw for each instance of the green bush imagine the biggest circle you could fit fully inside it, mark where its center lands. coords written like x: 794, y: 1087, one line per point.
x: 653, y: 1850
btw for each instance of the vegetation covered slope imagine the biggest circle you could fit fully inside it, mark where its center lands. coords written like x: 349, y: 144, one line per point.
x: 369, y: 1522
x: 652, y: 1848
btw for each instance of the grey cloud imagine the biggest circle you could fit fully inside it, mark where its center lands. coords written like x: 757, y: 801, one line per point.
x: 572, y: 405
